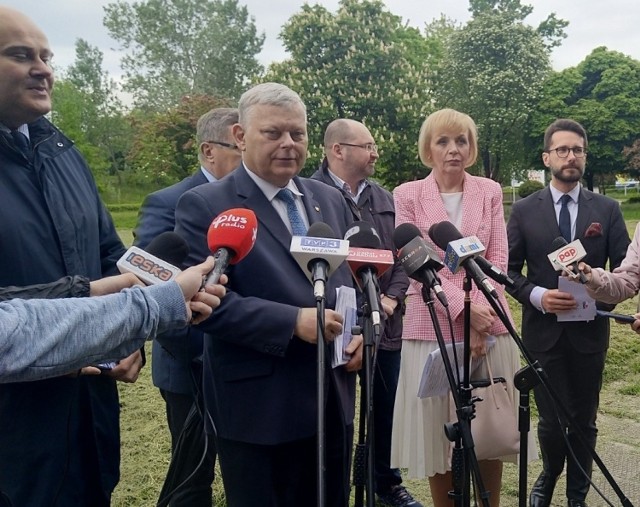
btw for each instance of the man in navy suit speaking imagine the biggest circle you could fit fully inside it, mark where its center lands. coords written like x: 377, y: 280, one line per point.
x: 260, y: 350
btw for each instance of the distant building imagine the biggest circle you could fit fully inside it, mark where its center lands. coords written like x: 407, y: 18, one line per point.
x: 532, y: 174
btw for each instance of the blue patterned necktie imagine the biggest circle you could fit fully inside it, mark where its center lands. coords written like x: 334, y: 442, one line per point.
x: 297, y: 223
x: 564, y: 220
x: 21, y: 142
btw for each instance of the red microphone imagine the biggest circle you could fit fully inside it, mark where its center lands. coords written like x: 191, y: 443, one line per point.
x: 365, y: 253
x: 231, y: 237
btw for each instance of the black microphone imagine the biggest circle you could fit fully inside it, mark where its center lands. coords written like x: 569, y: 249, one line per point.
x: 418, y: 259
x: 461, y: 252
x: 494, y: 272
x: 170, y: 247
x: 366, y: 262
x: 616, y: 316
x: 319, y: 253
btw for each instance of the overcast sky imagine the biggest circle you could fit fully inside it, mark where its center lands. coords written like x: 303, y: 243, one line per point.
x: 593, y: 23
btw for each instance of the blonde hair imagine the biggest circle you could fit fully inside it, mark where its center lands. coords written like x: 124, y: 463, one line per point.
x: 447, y: 120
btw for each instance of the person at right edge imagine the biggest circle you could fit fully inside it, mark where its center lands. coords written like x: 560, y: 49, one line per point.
x: 448, y: 144
x: 350, y: 158
x: 621, y: 283
x: 572, y: 354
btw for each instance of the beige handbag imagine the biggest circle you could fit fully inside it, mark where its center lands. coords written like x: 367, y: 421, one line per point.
x: 495, y: 427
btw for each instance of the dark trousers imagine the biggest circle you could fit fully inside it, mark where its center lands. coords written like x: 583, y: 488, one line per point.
x: 192, y: 470
x: 54, y: 427
x: 285, y: 475
x: 384, y: 396
x: 577, y: 379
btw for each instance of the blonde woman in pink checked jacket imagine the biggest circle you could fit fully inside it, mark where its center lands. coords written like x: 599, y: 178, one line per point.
x: 448, y: 144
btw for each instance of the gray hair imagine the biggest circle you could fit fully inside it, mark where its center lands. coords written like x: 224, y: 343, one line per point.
x: 214, y: 125
x: 267, y: 94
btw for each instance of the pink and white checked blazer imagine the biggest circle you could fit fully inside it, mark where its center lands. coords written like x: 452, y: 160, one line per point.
x: 419, y: 203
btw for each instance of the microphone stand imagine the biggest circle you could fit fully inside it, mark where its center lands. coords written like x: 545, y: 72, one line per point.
x: 320, y: 305
x: 365, y: 456
x: 463, y: 459
x: 526, y: 379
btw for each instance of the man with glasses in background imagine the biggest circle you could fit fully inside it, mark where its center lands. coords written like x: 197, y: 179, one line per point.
x: 350, y: 158
x: 572, y: 353
x: 172, y: 366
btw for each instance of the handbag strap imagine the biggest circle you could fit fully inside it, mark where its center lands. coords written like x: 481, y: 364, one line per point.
x: 491, y: 382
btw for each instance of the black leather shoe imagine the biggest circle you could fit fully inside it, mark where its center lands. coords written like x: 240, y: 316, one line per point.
x: 542, y: 491
x: 576, y: 503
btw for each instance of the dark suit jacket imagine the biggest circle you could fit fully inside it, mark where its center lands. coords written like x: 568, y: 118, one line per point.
x: 376, y: 207
x: 259, y: 379
x: 172, y: 353
x: 531, y: 229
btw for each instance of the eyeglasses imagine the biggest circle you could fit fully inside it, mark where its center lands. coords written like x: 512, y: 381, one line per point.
x: 225, y: 145
x: 370, y: 147
x: 563, y: 151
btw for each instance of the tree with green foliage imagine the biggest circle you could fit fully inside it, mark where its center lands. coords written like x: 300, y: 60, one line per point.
x: 164, y: 150
x: 184, y: 47
x: 632, y: 158
x: 493, y: 70
x: 87, y: 108
x: 603, y: 94
x: 361, y: 63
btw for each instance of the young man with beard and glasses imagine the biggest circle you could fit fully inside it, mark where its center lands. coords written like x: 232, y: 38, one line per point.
x: 350, y: 158
x: 571, y: 353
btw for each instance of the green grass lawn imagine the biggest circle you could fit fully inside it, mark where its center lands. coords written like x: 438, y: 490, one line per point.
x: 145, y: 439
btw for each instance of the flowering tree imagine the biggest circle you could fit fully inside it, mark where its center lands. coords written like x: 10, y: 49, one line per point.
x: 360, y: 63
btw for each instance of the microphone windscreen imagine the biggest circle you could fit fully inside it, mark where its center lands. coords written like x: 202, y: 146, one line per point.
x: 444, y: 233
x: 321, y: 230
x: 405, y: 233
x: 362, y: 235
x: 557, y: 243
x: 234, y: 229
x: 169, y: 247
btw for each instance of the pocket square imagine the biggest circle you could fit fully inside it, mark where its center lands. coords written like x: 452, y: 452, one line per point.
x: 594, y: 230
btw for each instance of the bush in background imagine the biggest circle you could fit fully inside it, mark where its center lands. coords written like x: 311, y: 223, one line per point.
x: 529, y: 187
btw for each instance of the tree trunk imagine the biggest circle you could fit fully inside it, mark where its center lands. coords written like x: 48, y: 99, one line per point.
x: 588, y: 177
x: 486, y: 163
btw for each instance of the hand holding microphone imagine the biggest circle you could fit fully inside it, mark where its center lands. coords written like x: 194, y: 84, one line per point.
x: 565, y: 256
x: 200, y: 301
x: 586, y: 270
